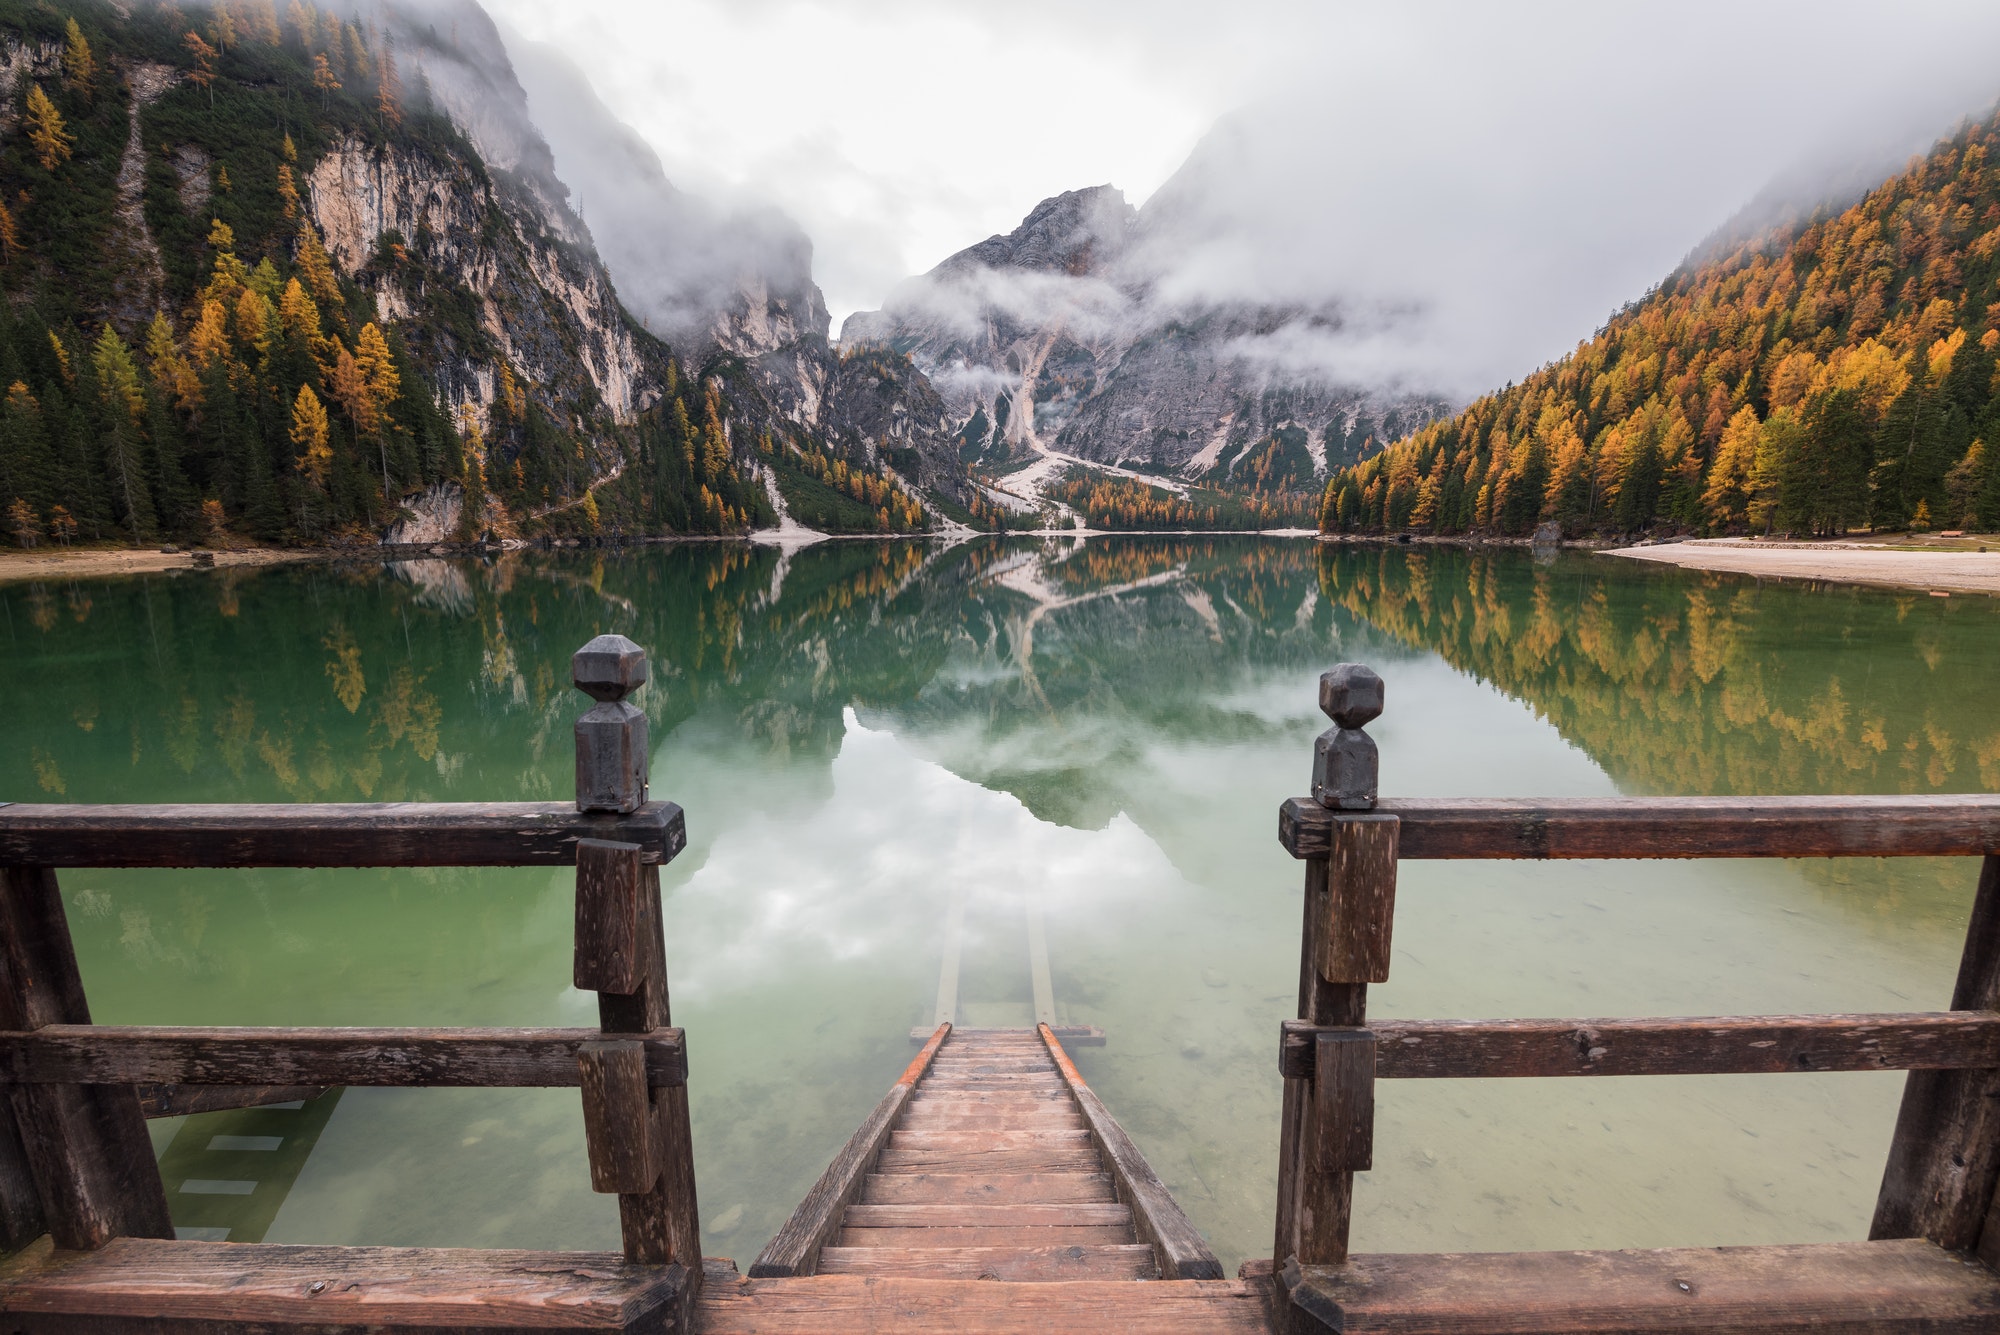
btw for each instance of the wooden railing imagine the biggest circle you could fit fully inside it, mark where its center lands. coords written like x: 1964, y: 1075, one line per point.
x: 1944, y: 1161
x: 75, y: 1158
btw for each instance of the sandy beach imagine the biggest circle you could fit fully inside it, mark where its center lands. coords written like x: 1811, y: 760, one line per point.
x: 1963, y: 569
x: 89, y: 563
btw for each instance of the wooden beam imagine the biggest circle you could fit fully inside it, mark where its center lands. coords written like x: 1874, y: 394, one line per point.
x: 186, y: 1100
x: 893, y: 1305
x: 1343, y: 1121
x: 21, y: 1218
x: 1669, y: 827
x: 351, y: 834
x: 661, y: 1225
x: 139, y: 1054
x: 608, y: 949
x: 1355, y: 934
x: 1835, y: 1288
x: 135, y: 1287
x: 85, y: 1144
x: 1708, y: 1045
x: 1944, y: 1160
x: 796, y: 1247
x: 1156, y: 1215
x: 618, y: 1117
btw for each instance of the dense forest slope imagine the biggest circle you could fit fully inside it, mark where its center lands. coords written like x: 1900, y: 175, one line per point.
x: 1833, y: 373
x: 313, y: 278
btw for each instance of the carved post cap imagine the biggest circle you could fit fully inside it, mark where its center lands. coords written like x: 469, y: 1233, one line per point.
x: 1350, y: 694
x: 609, y: 668
x: 611, y: 751
x: 1345, y: 762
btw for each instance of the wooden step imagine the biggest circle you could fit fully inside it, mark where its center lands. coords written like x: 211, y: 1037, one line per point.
x: 870, y: 1215
x: 143, y: 1285
x: 919, y: 1188
x: 998, y: 1098
x: 1032, y: 1264
x: 1840, y: 1288
x: 977, y: 1121
x: 848, y: 1305
x: 1030, y: 1235
x: 1081, y: 1159
x: 1035, y: 1139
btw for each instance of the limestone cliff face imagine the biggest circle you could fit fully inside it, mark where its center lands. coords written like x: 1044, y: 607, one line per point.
x: 479, y: 256
x: 486, y: 272
x: 1062, y: 332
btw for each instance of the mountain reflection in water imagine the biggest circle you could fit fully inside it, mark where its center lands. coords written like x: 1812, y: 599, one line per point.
x: 861, y: 730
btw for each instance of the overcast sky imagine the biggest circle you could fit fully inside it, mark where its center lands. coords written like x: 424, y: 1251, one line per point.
x: 1512, y: 172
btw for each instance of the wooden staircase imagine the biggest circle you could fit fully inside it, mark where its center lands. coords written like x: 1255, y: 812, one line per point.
x: 989, y: 1173
x: 990, y: 1159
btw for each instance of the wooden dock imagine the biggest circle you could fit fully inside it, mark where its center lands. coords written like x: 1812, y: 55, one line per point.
x: 990, y: 1189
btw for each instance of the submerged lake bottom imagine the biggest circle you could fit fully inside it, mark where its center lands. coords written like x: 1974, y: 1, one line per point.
x: 873, y: 740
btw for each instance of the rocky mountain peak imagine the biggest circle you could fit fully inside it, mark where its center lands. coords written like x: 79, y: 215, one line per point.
x: 1077, y: 232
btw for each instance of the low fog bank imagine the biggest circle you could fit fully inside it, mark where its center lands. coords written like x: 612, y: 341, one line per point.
x: 1473, y: 190
x: 681, y: 263
x: 1441, y: 198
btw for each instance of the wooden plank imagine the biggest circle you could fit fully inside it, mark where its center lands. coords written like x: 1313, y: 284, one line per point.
x: 1826, y: 1289
x: 1032, y: 1264
x: 174, y: 1055
x: 661, y: 1225
x: 186, y: 1100
x: 796, y: 1247
x: 958, y: 1189
x: 1314, y: 1207
x: 21, y: 1217
x: 1155, y: 1214
x: 1944, y: 1159
x: 990, y: 1235
x: 608, y: 947
x: 986, y: 1216
x: 1083, y: 1160
x: 140, y: 1287
x: 327, y: 834
x: 1057, y: 1119
x: 885, y: 1305
x: 1695, y: 1045
x: 987, y: 1140
x: 1004, y: 1097
x: 85, y: 1145
x: 618, y: 1120
x: 1343, y: 1117
x: 1355, y: 933
x: 1966, y: 825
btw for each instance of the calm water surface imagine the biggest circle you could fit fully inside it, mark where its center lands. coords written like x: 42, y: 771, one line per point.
x: 860, y: 731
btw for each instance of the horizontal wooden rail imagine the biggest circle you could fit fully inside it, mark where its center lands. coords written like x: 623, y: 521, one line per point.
x: 349, y: 834
x: 86, y: 1054
x: 1713, y: 1045
x: 1669, y: 827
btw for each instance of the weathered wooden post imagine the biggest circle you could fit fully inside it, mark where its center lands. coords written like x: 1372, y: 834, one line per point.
x: 1944, y: 1162
x: 1329, y: 1107
x: 85, y: 1146
x: 640, y: 1146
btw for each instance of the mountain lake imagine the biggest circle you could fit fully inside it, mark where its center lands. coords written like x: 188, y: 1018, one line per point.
x: 862, y: 733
